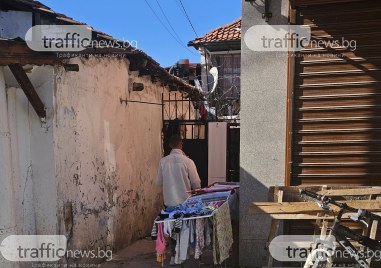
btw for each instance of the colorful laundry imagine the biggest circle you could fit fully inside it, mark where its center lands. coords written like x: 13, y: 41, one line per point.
x: 189, y: 229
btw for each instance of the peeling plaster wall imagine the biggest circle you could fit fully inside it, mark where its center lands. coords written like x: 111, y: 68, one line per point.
x: 107, y: 154
x: 32, y: 160
x: 7, y: 199
x: 89, y: 172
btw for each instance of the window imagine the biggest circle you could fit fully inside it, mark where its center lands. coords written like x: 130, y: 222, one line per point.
x: 229, y: 68
x: 229, y: 84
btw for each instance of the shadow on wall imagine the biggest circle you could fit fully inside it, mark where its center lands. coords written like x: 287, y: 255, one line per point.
x: 254, y: 229
x: 339, y: 135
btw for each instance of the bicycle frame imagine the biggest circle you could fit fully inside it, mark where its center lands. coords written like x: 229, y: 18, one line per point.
x: 342, y: 232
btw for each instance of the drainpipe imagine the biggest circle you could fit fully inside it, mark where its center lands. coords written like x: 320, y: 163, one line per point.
x: 7, y: 201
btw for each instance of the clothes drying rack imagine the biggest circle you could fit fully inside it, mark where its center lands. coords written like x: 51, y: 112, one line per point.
x: 193, y: 199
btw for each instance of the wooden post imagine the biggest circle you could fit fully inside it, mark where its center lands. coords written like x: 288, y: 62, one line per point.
x: 320, y: 222
x: 278, y: 197
x: 373, y: 230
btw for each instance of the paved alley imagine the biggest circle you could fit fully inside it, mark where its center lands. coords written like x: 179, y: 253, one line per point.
x: 142, y: 254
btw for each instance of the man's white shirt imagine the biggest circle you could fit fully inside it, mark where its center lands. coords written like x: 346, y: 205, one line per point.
x: 177, y: 174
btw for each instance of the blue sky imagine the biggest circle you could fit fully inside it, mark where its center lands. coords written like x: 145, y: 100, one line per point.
x: 134, y: 21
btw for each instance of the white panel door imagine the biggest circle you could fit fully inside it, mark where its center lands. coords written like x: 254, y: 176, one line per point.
x: 217, y: 146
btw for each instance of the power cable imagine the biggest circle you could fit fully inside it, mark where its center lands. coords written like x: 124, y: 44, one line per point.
x: 166, y: 28
x: 187, y: 16
x: 168, y: 21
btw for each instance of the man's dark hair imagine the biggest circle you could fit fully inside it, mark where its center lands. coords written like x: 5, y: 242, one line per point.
x: 175, y: 140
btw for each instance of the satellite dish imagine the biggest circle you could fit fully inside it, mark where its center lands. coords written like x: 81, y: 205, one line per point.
x: 214, y: 72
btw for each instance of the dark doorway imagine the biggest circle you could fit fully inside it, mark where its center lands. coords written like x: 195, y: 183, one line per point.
x: 233, y: 152
x: 179, y: 118
x: 197, y: 150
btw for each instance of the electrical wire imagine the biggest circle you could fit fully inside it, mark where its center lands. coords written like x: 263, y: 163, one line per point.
x: 233, y: 87
x: 168, y: 21
x: 166, y: 28
x: 188, y: 18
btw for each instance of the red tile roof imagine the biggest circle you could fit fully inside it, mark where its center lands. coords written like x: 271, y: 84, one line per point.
x: 229, y: 32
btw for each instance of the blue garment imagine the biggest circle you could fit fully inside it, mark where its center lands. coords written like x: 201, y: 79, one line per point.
x: 188, y: 210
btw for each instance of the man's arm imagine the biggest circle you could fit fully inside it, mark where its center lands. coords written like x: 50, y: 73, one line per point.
x: 193, y: 176
x: 159, y: 177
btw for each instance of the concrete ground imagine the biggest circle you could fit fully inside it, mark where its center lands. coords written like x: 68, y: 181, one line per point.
x: 142, y: 255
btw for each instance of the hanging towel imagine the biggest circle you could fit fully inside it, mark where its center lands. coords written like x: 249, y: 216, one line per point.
x: 184, y: 241
x: 160, y: 241
x: 177, y: 256
x: 208, y: 232
x: 192, y: 232
x: 168, y: 227
x: 200, y: 242
x: 222, y: 234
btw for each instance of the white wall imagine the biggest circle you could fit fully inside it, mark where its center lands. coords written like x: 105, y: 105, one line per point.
x: 7, y: 206
x: 31, y: 159
x: 32, y: 154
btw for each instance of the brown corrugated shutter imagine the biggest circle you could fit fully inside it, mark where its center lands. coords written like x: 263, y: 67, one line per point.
x: 337, y: 97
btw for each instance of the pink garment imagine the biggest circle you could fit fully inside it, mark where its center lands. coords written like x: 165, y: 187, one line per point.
x: 161, y: 243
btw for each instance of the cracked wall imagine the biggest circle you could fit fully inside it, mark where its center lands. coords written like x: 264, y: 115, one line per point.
x: 107, y: 154
x: 31, y: 162
x: 89, y: 172
x: 32, y: 154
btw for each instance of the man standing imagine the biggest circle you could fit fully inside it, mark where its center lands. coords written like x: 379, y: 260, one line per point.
x: 177, y: 174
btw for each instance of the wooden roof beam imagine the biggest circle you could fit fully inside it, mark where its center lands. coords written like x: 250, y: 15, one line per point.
x: 14, y: 52
x: 29, y: 90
